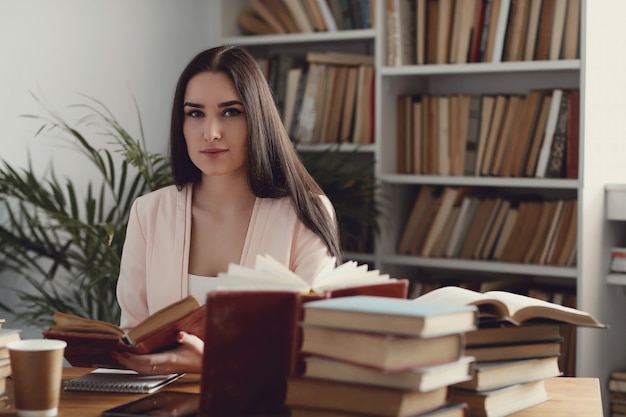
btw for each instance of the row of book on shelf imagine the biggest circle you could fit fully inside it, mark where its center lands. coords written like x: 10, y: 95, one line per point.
x: 324, y: 97
x: 269, y: 17
x: 450, y: 352
x: 464, y: 223
x: 531, y: 135
x: 466, y: 31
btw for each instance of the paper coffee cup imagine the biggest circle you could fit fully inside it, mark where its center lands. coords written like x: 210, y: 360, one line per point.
x: 37, y: 365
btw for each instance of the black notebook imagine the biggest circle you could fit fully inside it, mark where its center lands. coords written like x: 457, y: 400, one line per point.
x: 119, y: 380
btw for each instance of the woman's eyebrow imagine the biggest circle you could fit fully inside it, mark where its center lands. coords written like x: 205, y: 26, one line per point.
x: 189, y: 104
x: 230, y: 103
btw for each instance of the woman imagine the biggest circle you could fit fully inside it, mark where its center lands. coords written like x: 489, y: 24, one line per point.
x: 240, y: 190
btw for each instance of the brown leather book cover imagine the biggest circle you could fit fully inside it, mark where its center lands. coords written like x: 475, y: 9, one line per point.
x: 252, y: 345
x: 94, y: 349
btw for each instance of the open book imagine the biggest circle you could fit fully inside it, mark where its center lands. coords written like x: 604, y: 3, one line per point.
x: 511, y: 307
x: 270, y: 275
x: 89, y: 342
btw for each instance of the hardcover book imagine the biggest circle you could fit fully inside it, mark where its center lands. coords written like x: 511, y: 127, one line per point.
x: 90, y: 342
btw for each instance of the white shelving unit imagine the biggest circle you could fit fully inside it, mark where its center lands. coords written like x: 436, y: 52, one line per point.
x: 598, y: 75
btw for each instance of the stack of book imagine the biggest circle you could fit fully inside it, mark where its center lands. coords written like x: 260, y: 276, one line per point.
x: 6, y: 336
x: 617, y: 392
x: 380, y: 356
x: 516, y: 347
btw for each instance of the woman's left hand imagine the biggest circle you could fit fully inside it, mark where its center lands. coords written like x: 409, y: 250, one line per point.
x: 186, y: 358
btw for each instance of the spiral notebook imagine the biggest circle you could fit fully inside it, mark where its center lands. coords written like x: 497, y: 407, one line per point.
x: 119, y: 380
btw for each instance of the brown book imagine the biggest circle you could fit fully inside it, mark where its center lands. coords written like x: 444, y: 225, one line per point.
x: 513, y: 334
x: 431, y: 205
x: 538, y: 135
x: 462, y: 26
x: 515, y: 138
x: 524, y: 232
x: 478, y: 224
x: 266, y: 320
x: 507, y: 352
x: 492, y: 27
x: 363, y: 115
x: 429, y: 136
x: 525, y: 131
x: 283, y: 14
x: 570, y: 240
x: 495, y: 129
x: 445, y: 12
x: 544, y: 30
x: 505, y: 233
x: 443, y: 134
x: 531, y: 33
x: 558, y: 25
x: 562, y: 231
x: 267, y: 14
x: 516, y: 30
x: 432, y: 15
x: 325, y: 103
x: 338, y: 58
x: 511, y: 307
x: 415, y: 219
x: 499, y: 374
x: 421, y: 20
x: 502, y: 401
x: 487, y: 249
x: 347, y: 114
x: 401, y: 134
x: 254, y: 24
x: 358, y: 398
x: 315, y: 15
x: 541, y: 231
x: 331, y: 132
x: 423, y: 378
x: 418, y: 140
x: 506, y: 132
x: 89, y: 342
x: 297, y: 10
x: 542, y: 255
x: 440, y: 218
x: 571, y: 32
x: 484, y: 234
x: 449, y: 409
x: 487, y: 104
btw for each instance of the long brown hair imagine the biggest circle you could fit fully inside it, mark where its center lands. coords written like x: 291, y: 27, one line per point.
x: 274, y: 168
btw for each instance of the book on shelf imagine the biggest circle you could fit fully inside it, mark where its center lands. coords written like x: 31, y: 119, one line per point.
x: 531, y: 33
x: 499, y: 374
x: 390, y: 315
x: 502, y: 401
x: 544, y: 29
x: 449, y: 409
x: 358, y: 398
x: 521, y: 350
x: 299, y: 14
x: 558, y: 25
x: 555, y: 166
x: 89, y: 342
x: 511, y: 307
x: 261, y: 8
x: 119, y: 380
x: 571, y: 31
x: 423, y: 378
x: 516, y: 31
x: 261, y: 306
x: 380, y: 350
x: 571, y: 154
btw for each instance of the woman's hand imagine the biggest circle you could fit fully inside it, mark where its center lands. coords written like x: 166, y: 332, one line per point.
x: 185, y: 358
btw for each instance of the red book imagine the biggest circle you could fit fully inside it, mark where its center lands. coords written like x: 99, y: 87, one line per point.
x: 252, y: 345
x: 571, y: 147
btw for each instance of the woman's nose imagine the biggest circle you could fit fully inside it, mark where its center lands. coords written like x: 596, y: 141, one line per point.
x: 212, y: 129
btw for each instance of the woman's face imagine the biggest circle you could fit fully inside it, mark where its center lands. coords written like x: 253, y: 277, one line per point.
x: 215, y: 125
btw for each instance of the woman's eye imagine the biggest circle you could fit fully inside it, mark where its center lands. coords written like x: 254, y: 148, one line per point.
x: 194, y: 113
x: 232, y: 112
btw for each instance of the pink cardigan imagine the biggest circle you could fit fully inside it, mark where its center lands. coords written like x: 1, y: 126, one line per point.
x: 155, y: 258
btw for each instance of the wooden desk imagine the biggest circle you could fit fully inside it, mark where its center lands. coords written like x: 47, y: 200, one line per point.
x: 569, y: 397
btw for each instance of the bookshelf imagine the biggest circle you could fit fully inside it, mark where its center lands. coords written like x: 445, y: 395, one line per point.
x: 601, y: 115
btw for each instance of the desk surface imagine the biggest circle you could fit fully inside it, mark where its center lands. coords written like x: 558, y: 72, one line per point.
x: 569, y: 397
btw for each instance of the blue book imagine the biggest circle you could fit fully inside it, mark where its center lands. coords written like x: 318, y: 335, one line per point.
x: 390, y: 315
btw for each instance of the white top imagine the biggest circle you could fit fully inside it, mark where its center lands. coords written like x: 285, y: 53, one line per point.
x: 199, y: 286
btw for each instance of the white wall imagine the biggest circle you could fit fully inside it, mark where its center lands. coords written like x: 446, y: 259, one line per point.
x: 111, y: 50
x: 603, y: 109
